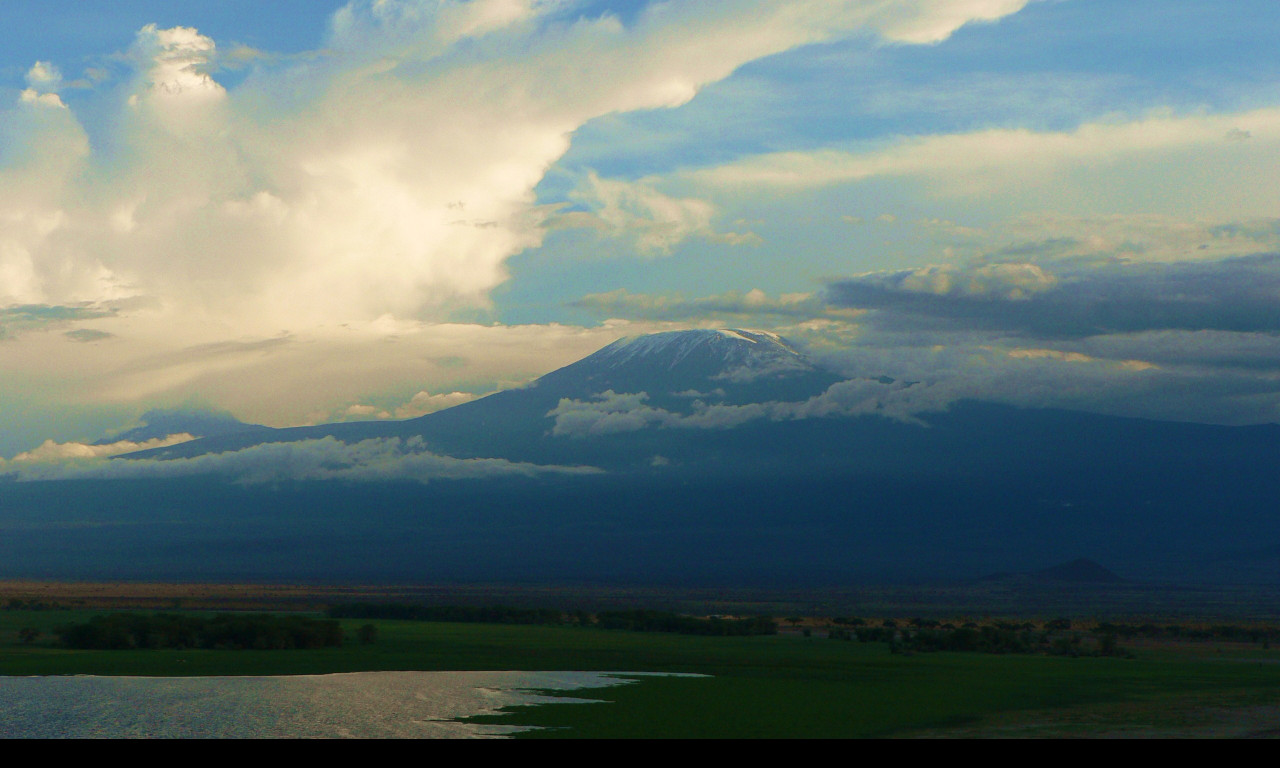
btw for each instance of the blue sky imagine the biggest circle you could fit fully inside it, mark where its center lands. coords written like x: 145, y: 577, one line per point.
x: 75, y: 33
x: 426, y: 200
x: 1051, y: 67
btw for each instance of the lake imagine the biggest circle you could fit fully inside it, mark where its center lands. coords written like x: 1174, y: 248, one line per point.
x: 417, y: 705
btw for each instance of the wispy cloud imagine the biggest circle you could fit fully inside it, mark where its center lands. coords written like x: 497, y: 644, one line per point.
x: 420, y: 404
x: 655, y: 222
x: 17, y: 319
x: 985, y: 160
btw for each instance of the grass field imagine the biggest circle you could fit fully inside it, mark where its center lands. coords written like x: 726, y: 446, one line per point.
x: 782, y: 686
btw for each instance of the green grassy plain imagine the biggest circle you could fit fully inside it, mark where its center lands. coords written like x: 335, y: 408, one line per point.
x: 782, y: 686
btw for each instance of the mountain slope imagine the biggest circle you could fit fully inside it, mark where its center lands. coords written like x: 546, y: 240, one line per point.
x: 789, y: 496
x: 1082, y: 571
x: 159, y: 424
x: 672, y: 370
x: 675, y: 383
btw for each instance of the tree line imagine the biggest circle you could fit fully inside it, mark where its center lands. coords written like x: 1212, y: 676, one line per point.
x: 662, y: 621
x: 128, y: 631
x: 925, y: 636
x: 631, y: 620
x: 496, y: 614
x: 18, y: 604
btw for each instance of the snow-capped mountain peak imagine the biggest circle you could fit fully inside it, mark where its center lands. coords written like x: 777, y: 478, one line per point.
x: 732, y: 346
x: 695, y: 360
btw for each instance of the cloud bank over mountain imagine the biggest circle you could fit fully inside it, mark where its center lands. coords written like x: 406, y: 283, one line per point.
x: 613, y: 413
x: 369, y: 461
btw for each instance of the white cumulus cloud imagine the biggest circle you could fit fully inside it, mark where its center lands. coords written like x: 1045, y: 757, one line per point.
x: 312, y: 460
x: 51, y: 452
x: 396, y: 174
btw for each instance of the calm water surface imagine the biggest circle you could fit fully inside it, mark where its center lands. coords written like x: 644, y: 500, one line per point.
x: 419, y: 705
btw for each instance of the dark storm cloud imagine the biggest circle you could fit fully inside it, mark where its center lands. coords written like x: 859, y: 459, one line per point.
x: 1246, y: 352
x: 87, y: 336
x: 1165, y: 375
x: 1239, y: 294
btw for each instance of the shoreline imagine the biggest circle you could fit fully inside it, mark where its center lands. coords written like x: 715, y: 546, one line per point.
x: 420, y: 705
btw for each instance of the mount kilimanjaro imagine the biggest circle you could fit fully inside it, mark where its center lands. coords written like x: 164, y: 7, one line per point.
x: 718, y: 457
x: 674, y: 373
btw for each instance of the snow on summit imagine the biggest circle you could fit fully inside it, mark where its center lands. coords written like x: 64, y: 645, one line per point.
x: 732, y: 346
